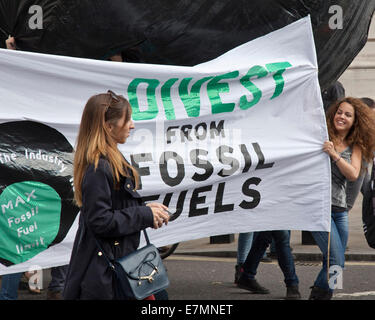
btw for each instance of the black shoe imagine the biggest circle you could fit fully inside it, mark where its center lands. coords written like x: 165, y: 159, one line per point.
x: 54, y: 295
x: 320, y: 294
x: 292, y: 293
x: 238, y: 272
x: 251, y: 285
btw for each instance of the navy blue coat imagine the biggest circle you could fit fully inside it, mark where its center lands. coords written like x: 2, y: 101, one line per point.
x: 116, y: 225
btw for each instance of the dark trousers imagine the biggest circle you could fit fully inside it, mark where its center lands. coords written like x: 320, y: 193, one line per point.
x: 284, y: 255
x: 58, y: 275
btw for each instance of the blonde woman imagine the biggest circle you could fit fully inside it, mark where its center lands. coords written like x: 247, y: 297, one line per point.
x: 105, y: 190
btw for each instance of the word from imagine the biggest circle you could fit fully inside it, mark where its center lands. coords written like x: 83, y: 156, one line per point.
x: 45, y: 157
x: 216, y: 85
x: 200, y: 131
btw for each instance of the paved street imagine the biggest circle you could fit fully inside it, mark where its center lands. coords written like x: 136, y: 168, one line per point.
x: 212, y: 278
x: 207, y: 278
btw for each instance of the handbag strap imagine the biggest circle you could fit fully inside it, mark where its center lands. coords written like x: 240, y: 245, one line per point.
x: 144, y: 230
x: 100, y: 247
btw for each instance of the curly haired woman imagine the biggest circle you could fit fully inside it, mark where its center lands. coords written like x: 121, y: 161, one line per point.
x: 351, y: 129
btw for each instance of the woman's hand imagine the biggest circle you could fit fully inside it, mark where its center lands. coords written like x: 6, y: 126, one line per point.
x: 329, y: 148
x: 10, y: 43
x: 157, y: 205
x: 349, y: 170
x: 159, y: 213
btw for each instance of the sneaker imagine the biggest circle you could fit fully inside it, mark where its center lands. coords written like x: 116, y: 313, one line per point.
x: 251, y: 285
x: 238, y: 272
x: 320, y: 294
x: 292, y: 293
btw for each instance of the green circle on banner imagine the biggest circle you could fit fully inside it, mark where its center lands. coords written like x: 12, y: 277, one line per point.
x: 29, y: 220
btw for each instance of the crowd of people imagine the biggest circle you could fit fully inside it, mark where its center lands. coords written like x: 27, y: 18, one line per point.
x: 105, y: 185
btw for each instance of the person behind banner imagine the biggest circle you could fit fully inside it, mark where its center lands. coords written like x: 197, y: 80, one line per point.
x: 10, y: 43
x: 354, y: 187
x: 10, y: 282
x: 368, y: 191
x: 332, y: 94
x: 285, y: 258
x: 105, y: 189
x: 351, y: 129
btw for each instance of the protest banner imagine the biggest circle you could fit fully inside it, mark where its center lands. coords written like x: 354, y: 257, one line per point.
x: 230, y: 145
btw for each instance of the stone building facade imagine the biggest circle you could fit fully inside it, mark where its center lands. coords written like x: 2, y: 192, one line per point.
x: 359, y: 78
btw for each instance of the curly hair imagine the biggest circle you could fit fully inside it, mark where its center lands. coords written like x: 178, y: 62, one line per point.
x: 362, y: 133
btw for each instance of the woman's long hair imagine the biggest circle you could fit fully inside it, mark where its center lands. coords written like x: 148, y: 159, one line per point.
x: 95, y: 140
x: 362, y: 133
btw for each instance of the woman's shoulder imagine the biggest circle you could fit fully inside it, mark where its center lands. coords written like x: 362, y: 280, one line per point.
x: 103, y: 163
x: 103, y: 166
x: 353, y: 149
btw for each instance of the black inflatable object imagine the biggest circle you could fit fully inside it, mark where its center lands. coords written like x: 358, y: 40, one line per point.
x: 17, y: 140
x: 183, y: 32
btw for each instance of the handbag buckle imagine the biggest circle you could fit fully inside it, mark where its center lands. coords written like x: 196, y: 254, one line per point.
x: 149, y: 278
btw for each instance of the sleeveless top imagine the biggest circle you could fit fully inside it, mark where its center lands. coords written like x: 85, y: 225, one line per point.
x: 339, y: 181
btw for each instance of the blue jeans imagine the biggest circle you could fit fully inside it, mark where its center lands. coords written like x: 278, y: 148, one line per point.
x: 9, y: 286
x: 245, y: 241
x: 284, y: 255
x: 58, y: 275
x: 338, y: 241
x: 273, y: 247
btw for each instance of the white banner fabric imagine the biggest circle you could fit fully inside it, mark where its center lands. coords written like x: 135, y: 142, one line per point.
x: 232, y: 145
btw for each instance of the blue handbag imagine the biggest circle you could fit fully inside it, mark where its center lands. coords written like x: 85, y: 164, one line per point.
x: 140, y: 273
